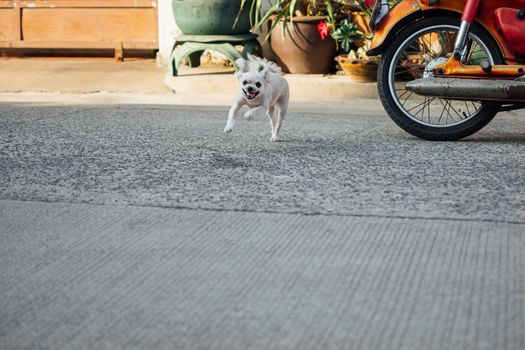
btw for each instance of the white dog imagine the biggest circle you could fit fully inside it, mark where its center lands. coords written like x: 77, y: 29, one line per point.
x: 263, y: 88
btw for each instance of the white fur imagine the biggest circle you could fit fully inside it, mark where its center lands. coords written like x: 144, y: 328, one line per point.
x: 270, y: 95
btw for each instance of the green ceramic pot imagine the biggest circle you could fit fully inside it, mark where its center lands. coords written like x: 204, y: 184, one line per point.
x: 211, y: 17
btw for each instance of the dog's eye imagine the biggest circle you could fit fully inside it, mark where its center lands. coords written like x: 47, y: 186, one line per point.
x: 244, y: 82
x: 258, y: 84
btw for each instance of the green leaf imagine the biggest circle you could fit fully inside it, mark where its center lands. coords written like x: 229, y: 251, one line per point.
x: 275, y: 22
x: 239, y: 13
x: 292, y: 7
x: 346, y: 45
x: 274, y: 9
x: 330, y: 10
x: 254, y: 12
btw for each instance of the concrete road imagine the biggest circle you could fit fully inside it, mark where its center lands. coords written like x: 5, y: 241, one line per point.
x: 147, y: 227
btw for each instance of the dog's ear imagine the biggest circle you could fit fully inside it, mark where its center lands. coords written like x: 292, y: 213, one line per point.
x: 265, y: 71
x: 241, y: 64
x: 254, y: 59
x: 258, y: 62
x: 242, y: 67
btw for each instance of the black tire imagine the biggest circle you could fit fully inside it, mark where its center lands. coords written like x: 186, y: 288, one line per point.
x: 391, y: 102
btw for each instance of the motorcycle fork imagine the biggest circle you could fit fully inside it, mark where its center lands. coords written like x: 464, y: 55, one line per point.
x: 469, y: 13
x: 455, y: 68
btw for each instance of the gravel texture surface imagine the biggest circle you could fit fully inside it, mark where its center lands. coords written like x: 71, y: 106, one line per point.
x: 333, y: 162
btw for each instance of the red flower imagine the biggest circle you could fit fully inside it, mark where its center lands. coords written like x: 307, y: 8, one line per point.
x: 324, y: 29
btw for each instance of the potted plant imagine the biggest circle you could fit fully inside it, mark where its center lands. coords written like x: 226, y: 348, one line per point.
x: 354, y: 39
x: 298, y: 31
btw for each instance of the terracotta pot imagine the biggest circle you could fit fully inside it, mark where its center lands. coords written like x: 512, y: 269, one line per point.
x: 300, y: 48
x: 363, y: 71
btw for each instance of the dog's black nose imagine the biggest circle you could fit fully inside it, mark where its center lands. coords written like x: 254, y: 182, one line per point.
x: 250, y: 88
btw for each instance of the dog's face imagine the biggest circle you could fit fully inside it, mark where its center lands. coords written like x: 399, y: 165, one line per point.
x: 252, y: 78
x: 252, y: 84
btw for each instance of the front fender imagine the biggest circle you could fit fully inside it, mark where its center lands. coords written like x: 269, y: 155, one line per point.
x: 397, y: 15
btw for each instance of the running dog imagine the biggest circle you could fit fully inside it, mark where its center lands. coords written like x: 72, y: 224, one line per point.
x: 263, y: 88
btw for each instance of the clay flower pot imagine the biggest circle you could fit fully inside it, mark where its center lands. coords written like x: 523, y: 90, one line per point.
x: 300, y: 49
x: 359, y: 70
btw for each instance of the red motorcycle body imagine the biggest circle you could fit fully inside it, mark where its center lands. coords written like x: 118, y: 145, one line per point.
x: 510, y: 22
x: 503, y: 19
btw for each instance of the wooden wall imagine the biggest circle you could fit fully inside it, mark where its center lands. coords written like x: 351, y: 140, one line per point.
x: 79, y: 24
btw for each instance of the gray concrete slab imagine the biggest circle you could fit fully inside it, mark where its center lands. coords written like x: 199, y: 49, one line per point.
x: 143, y: 76
x: 302, y: 86
x: 78, y: 276
x: 365, y: 106
x: 81, y: 76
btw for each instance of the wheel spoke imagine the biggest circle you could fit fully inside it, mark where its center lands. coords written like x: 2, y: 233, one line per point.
x: 405, y: 70
x: 447, y: 108
x: 406, y: 99
x: 447, y: 43
x: 466, y: 105
x: 423, y: 104
x: 442, y: 111
x: 455, y: 111
x: 404, y: 93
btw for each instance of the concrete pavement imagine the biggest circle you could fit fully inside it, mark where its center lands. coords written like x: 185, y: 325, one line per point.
x: 81, y: 76
x: 147, y: 227
x: 143, y: 77
x: 80, y: 276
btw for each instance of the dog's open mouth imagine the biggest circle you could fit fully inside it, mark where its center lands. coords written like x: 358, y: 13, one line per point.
x: 250, y: 95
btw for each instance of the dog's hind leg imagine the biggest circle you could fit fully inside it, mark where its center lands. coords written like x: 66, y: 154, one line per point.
x: 273, y: 120
x: 281, y: 110
x: 278, y: 124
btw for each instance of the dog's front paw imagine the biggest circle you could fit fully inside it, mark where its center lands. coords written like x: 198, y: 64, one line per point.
x: 274, y: 139
x: 228, y: 129
x: 248, y: 115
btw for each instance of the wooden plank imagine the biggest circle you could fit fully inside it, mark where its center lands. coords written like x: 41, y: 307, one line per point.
x: 8, y: 25
x: 77, y: 45
x: 88, y: 3
x: 17, y: 20
x: 89, y: 25
x: 156, y: 25
x: 79, y: 24
x: 10, y: 20
x: 9, y: 4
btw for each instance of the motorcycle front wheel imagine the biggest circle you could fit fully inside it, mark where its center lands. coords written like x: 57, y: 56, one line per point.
x: 415, y: 47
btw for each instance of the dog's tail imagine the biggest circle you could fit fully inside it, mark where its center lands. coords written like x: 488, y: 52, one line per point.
x: 262, y: 64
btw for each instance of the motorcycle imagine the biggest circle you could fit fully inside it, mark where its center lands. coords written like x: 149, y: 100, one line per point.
x: 448, y: 66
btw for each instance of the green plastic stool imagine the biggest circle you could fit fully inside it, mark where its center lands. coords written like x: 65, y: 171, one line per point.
x: 194, y: 45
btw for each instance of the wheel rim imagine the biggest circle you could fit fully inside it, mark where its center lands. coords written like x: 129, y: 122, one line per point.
x: 408, y: 63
